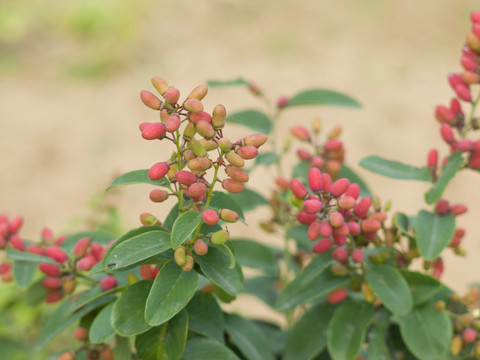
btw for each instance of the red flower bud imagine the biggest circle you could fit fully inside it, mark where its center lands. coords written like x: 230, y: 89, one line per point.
x: 362, y: 207
x: 173, y: 123
x: 232, y: 186
x: 432, y: 158
x: 442, y: 207
x: 108, y: 283
x: 300, y: 132
x: 247, y: 152
x: 306, y: 219
x: 282, y: 102
x: 325, y: 229
x: 346, y: 202
x: 444, y: 114
x: 313, y: 231
x: 370, y: 225
x: 210, y: 217
x: 447, y: 133
x: 196, y: 190
x: 469, y: 335
x: 357, y: 256
x: 158, y: 171
x: 327, y: 182
x: 353, y: 191
x: 36, y: 249
x: 315, y: 179
x: 49, y: 269
x: 56, y: 254
x: 81, y: 247
x: 340, y: 255
x: 333, y: 144
x: 317, y: 162
x: 15, y: 224
x: 17, y: 243
x: 282, y: 183
x: 469, y: 64
x: 339, y: 239
x: 336, y: 219
x: 458, y: 209
x: 339, y: 187
x: 150, y: 100
x: 337, y: 296
x: 53, y: 297
x: 312, y: 206
x: 195, y: 118
x: 322, y: 246
x: 193, y: 105
x: 475, y: 17
x: 52, y: 283
x: 463, y: 92
x: 84, y: 264
x: 172, y: 95
x: 158, y: 195
x: 185, y: 177
x: 298, y: 189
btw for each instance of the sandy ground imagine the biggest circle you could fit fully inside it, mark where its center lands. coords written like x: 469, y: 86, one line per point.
x: 62, y: 140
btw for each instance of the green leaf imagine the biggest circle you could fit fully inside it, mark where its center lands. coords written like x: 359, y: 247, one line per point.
x: 24, y: 271
x: 215, y: 265
x: 88, y: 296
x: 249, y: 199
x: 454, y: 163
x: 299, y: 234
x: 319, y: 264
x: 263, y: 287
x: 322, y: 97
x: 395, y: 169
x: 301, y: 170
x: 128, y: 312
x: 171, y: 291
x: 248, y: 338
x: 299, y: 291
x: 25, y: 256
x: 136, y: 249
x: 36, y: 293
x: 298, y: 345
x: 434, y: 233
x: 402, y: 223
x: 275, y: 335
x: 427, y: 332
x: 121, y: 351
x: 266, y: 158
x: 347, y: 172
x: 205, y: 316
x: 206, y: 349
x: 219, y: 83
x: 390, y: 287
x: 184, y: 227
x: 138, y: 177
x: 171, y: 217
x: 255, y: 255
x: 60, y: 319
x: 347, y: 328
x: 253, y: 119
x: 221, y: 201
x: 377, y: 348
x: 164, y: 342
x: 101, y: 328
x: 422, y: 286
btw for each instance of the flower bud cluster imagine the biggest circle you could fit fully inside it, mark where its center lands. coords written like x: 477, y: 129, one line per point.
x: 455, y: 124
x: 9, y: 238
x: 193, y: 167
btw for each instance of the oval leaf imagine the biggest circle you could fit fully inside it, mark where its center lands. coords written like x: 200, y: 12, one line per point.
x: 402, y: 223
x: 298, y: 346
x: 263, y: 287
x: 215, y: 264
x: 137, y: 249
x: 434, y: 233
x: 171, y: 291
x: 422, y: 286
x: 266, y: 158
x: 28, y: 257
x: 391, y: 288
x: 205, y: 316
x: 427, y: 332
x: 138, y: 177
x: 23, y: 272
x: 164, y: 342
x: 85, y: 297
x: 248, y: 338
x: 255, y: 255
x: 322, y: 97
x: 206, y: 349
x: 219, y: 83
x: 184, y: 227
x: 377, y: 347
x: 101, y: 328
x: 395, y: 169
x: 249, y: 199
x: 347, y: 328
x: 454, y: 163
x: 253, y: 119
x: 128, y: 312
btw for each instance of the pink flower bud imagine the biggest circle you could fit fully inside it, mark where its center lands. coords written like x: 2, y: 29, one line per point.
x: 317, y: 162
x: 36, y: 249
x: 237, y: 174
x: 463, y: 92
x: 315, y: 180
x: 108, y: 283
x: 362, y: 207
x: 256, y: 140
x: 455, y: 107
x: 300, y: 132
x: 16, y: 224
x: 340, y: 240
x: 313, y: 231
x: 81, y: 247
x: 97, y: 251
x: 475, y: 17
x: 282, y: 102
x: 306, y: 219
x: 464, y: 145
x: 47, y: 234
x: 444, y: 114
x: 312, y: 206
x: 298, y: 189
x: 247, y: 152
x: 432, y: 158
x: 333, y: 144
x: 150, y: 100
x: 173, y: 123
x: 458, y: 209
x: 197, y: 189
x: 357, y: 256
x: 210, y: 217
x: 447, y: 133
x: 455, y: 80
x: 17, y: 243
x: 337, y: 296
x: 53, y: 297
x: 342, y: 230
x: 153, y: 131
x: 158, y: 195
x: 325, y: 229
x: 469, y: 335
x: 49, y: 269
x: 469, y: 64
x: 339, y: 187
x: 327, y: 182
x: 205, y: 129
x: 336, y: 219
x: 193, y: 105
x: 84, y: 264
x: 232, y: 186
x: 200, y: 247
x: 442, y: 207
x: 158, y: 171
x: 185, y: 177
x: 52, y: 283
x: 56, y: 254
x: 322, y: 246
x: 340, y: 255
x: 172, y: 95
x: 353, y: 191
x: 370, y: 225
x: 346, y: 202
x: 282, y: 183
x: 196, y: 117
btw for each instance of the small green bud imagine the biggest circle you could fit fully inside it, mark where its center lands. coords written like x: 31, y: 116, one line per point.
x: 220, y: 237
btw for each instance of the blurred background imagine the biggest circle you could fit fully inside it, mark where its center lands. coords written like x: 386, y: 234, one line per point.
x: 71, y: 73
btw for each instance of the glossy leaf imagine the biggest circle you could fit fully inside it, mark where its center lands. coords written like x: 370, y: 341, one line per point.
x: 184, y: 227
x: 427, y: 332
x: 377, y: 348
x: 248, y: 338
x: 454, y: 163
x: 24, y: 271
x: 347, y: 172
x: 164, y: 342
x: 220, y: 83
x: 322, y: 97
x: 85, y: 297
x: 60, y: 319
x: 215, y: 264
x: 319, y: 263
x: 390, y: 287
x: 249, y: 199
x: 199, y: 348
x: 137, y: 249
x: 347, y: 329
x: 266, y: 158
x: 422, y: 286
x: 298, y: 292
x: 395, y: 169
x: 434, y: 233
x: 138, y: 177
x: 36, y: 293
x: 25, y: 256
x: 255, y: 255
x: 205, y: 316
x: 298, y: 345
x: 128, y: 312
x: 171, y: 217
x: 253, y: 119
x: 221, y: 201
x: 171, y: 291
x: 264, y: 287
x: 101, y: 328
x: 121, y: 351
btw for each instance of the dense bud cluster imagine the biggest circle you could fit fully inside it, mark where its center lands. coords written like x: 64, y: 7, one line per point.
x: 193, y: 168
